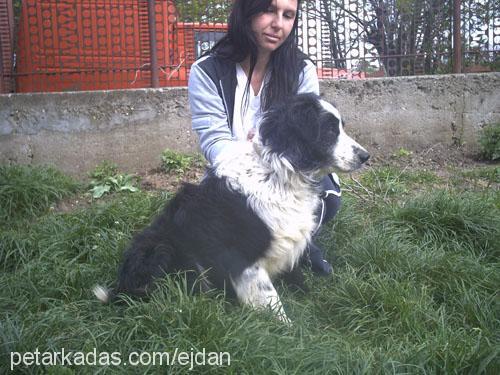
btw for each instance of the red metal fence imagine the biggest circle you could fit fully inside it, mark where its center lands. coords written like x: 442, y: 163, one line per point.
x: 62, y: 45
x: 106, y: 44
x: 86, y: 45
x: 68, y: 45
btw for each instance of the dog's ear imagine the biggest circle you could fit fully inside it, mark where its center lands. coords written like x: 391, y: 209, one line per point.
x: 295, y: 130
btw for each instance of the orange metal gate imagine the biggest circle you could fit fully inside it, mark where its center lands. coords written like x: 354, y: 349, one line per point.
x: 101, y: 44
x: 89, y: 45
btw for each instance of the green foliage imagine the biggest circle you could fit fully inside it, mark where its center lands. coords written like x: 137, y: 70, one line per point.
x: 106, y: 179
x: 179, y: 163
x: 495, y: 64
x: 104, y: 170
x: 402, y: 153
x: 489, y: 142
x: 17, y: 8
x: 27, y: 191
x: 203, y: 10
x: 405, y: 6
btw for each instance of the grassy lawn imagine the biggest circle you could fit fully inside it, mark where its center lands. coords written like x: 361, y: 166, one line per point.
x: 415, y: 286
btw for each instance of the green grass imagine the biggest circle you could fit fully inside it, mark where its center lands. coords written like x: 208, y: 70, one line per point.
x: 415, y: 287
x: 479, y: 176
x: 26, y: 192
x: 388, y: 181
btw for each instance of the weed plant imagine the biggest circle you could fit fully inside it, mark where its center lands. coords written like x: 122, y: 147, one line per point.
x: 178, y: 163
x: 414, y: 289
x: 106, y: 179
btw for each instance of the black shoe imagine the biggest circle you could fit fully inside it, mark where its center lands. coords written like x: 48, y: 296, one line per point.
x: 318, y: 263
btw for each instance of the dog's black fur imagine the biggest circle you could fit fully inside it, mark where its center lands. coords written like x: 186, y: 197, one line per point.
x: 204, y: 225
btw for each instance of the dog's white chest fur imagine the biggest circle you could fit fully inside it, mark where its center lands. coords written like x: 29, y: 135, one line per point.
x: 280, y: 197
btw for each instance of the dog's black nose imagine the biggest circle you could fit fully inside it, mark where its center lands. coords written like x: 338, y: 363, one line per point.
x: 362, y: 154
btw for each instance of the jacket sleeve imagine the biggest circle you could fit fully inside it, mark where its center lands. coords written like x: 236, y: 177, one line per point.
x: 309, y: 79
x: 208, y: 114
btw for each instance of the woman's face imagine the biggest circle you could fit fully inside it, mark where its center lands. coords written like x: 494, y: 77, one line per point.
x: 272, y: 27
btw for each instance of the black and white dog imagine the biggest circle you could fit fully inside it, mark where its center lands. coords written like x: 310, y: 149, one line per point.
x: 253, y: 215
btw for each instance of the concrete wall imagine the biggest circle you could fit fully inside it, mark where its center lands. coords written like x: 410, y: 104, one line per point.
x: 76, y: 131
x: 418, y: 112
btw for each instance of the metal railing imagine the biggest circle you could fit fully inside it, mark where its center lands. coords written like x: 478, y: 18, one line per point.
x: 62, y: 45
x: 394, y: 38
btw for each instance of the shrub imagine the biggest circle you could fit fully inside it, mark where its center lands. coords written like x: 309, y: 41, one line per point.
x: 489, y: 142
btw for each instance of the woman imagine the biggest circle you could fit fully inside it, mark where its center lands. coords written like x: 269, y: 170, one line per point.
x: 257, y: 63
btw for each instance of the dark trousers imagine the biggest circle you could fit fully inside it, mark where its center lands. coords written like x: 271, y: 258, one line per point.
x: 330, y: 199
x: 330, y: 205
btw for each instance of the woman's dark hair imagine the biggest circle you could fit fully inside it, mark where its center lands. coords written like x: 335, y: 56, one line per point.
x: 286, y: 62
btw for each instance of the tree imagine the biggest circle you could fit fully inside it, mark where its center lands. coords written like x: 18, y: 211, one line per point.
x: 203, y: 10
x: 407, y: 35
x: 410, y: 32
x: 479, y: 31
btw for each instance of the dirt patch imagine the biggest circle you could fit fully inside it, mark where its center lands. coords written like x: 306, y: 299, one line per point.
x: 81, y: 201
x: 158, y: 179
x: 441, y: 159
x: 73, y: 203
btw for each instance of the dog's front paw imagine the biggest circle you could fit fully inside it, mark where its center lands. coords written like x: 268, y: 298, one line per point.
x: 283, y: 318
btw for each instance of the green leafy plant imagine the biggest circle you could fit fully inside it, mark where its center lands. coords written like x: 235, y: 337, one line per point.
x: 176, y: 162
x: 106, y: 179
x: 489, y: 142
x: 104, y: 170
x: 402, y: 153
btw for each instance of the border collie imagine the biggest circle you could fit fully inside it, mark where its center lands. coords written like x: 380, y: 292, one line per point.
x: 252, y: 216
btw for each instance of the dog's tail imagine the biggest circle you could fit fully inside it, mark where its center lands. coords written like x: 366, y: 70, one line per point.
x: 104, y: 294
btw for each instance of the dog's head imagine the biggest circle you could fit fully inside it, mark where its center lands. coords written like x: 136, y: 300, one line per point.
x: 307, y: 131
